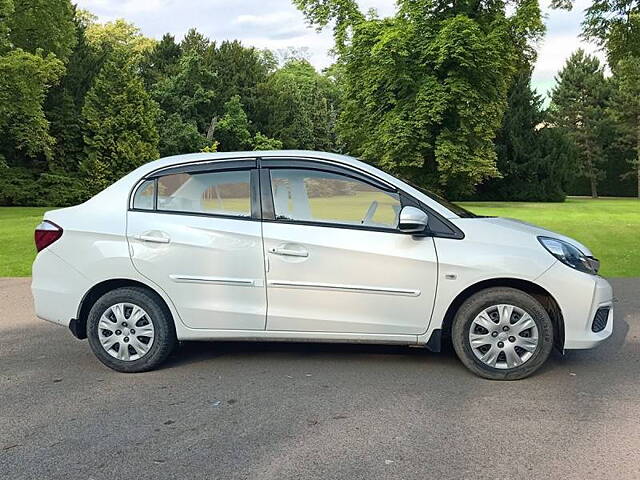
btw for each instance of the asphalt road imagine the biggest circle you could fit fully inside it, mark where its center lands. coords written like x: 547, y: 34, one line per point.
x: 280, y: 411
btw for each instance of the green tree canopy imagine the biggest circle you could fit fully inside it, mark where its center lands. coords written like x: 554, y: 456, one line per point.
x: 299, y: 106
x: 232, y: 131
x: 43, y: 24
x: 120, y: 116
x: 24, y: 81
x: 161, y: 61
x: 424, y: 91
x: 65, y: 101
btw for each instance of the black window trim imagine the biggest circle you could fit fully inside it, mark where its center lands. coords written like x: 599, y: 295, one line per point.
x: 277, y: 163
x: 205, y: 167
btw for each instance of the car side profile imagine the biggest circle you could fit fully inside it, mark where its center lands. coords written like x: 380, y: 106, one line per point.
x: 309, y: 246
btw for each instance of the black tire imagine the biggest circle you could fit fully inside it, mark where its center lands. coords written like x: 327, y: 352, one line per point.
x: 485, y: 299
x: 164, y: 335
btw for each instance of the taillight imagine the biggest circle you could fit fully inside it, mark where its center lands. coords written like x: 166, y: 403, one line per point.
x: 46, y: 233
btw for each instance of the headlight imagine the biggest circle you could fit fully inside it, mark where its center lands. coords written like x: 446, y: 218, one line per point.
x: 570, y: 255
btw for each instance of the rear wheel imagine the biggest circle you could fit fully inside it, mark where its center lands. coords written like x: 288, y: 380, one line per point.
x: 502, y: 334
x: 130, y: 330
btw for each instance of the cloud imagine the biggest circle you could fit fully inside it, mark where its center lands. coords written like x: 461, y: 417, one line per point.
x: 265, y: 20
x: 277, y: 24
x: 562, y: 39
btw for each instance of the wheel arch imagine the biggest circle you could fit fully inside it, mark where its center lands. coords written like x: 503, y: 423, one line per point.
x: 78, y: 325
x: 536, y: 291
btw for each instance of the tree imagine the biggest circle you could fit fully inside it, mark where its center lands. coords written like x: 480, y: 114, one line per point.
x: 24, y: 81
x: 625, y: 110
x: 578, y: 106
x: 43, y: 24
x: 262, y: 142
x: 232, y: 131
x: 120, y: 36
x: 196, y: 43
x: 239, y: 70
x: 299, y: 106
x: 178, y: 136
x: 120, y: 119
x: 161, y: 61
x: 190, y: 91
x: 424, y: 91
x: 535, y: 160
x: 65, y: 101
x: 188, y: 101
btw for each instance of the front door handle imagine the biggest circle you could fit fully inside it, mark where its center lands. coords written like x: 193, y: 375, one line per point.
x: 288, y: 252
x: 152, y: 238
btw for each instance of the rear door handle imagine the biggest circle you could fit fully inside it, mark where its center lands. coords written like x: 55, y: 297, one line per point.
x: 288, y: 252
x: 152, y: 238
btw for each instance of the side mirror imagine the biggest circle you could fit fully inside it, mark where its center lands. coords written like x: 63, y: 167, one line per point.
x: 413, y: 220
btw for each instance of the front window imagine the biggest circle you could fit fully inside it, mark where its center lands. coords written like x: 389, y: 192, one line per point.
x: 316, y: 196
x: 457, y: 209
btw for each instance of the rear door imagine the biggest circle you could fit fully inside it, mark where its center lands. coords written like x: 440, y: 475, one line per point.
x: 336, y: 261
x: 195, y: 232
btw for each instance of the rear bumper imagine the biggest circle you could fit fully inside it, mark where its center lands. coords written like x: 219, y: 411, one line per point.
x: 579, y: 296
x: 57, y: 288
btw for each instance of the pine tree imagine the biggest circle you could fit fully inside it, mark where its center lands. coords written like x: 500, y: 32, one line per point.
x: 578, y: 107
x: 535, y: 161
x: 120, y: 120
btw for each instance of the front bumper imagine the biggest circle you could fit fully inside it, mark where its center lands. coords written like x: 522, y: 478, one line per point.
x: 579, y: 296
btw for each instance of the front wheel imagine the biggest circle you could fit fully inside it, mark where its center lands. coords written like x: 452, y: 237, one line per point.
x: 131, y: 330
x: 502, y: 334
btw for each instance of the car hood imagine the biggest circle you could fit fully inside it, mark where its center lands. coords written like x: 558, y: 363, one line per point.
x: 525, y: 227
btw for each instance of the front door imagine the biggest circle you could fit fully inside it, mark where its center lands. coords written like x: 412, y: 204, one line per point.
x: 336, y: 261
x: 195, y: 233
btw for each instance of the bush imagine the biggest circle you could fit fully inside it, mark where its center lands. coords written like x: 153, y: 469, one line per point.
x: 20, y: 187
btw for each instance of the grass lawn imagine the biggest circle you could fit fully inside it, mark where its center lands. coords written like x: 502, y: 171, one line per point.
x: 17, y: 249
x: 610, y: 227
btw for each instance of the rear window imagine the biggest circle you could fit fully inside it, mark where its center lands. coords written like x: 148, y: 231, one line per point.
x: 145, y: 196
x: 217, y: 193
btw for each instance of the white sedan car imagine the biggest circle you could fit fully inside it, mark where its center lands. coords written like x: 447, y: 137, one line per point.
x: 309, y: 246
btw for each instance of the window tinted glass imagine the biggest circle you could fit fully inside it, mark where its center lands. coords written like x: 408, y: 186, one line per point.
x: 143, y: 198
x: 222, y: 193
x: 457, y: 209
x: 310, y: 195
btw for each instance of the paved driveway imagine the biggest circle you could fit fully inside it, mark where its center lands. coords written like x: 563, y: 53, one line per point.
x: 279, y: 411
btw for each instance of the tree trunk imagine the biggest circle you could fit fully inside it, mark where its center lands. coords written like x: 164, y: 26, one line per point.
x: 594, y: 187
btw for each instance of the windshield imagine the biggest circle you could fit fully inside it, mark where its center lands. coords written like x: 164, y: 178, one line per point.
x: 457, y: 209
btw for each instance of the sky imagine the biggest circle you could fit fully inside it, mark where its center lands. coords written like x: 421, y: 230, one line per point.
x: 278, y: 25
